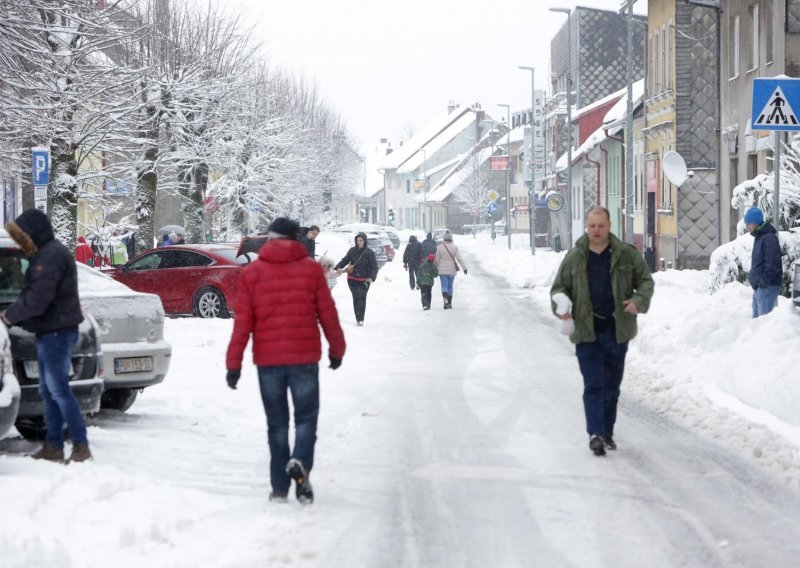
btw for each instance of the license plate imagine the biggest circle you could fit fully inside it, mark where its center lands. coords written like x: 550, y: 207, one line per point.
x: 32, y: 369
x: 133, y: 365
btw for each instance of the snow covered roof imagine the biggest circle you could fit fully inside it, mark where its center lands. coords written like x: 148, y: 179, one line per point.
x: 423, y: 137
x: 618, y: 113
x: 437, y: 142
x: 596, y: 104
x: 517, y: 135
x: 457, y: 176
x: 596, y: 138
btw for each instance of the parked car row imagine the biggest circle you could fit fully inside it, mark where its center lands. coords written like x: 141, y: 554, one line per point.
x: 120, y: 349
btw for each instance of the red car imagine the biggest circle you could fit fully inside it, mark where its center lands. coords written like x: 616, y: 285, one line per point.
x: 201, y: 280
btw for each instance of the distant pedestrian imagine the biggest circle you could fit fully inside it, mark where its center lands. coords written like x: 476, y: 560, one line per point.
x: 412, y: 258
x: 602, y: 284
x: 283, y: 299
x: 361, y: 267
x: 308, y: 238
x: 49, y: 307
x: 766, y: 268
x: 427, y: 276
x: 428, y: 246
x: 83, y: 252
x: 449, y: 263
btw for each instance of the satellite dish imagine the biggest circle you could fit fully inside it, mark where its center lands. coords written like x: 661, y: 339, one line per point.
x: 675, y: 168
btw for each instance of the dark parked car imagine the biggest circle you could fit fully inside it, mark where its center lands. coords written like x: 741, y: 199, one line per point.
x: 86, y: 364
x: 796, y: 285
x: 200, y: 280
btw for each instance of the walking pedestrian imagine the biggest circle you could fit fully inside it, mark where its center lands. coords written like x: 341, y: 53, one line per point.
x: 308, y: 237
x: 602, y: 284
x: 412, y: 258
x: 428, y: 246
x: 83, y: 252
x: 49, y: 307
x: 427, y: 276
x: 766, y: 269
x: 449, y: 263
x: 361, y: 267
x: 283, y: 299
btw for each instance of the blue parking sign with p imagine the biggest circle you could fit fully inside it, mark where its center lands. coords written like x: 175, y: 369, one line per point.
x: 41, y: 166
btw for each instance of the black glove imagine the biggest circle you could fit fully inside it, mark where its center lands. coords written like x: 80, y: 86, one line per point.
x: 336, y: 362
x: 465, y: 272
x: 233, y: 377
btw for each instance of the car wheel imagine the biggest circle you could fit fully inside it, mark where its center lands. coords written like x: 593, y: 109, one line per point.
x: 118, y: 399
x: 210, y: 303
x: 31, y: 428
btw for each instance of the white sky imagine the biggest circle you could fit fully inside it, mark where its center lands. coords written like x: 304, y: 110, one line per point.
x: 387, y: 65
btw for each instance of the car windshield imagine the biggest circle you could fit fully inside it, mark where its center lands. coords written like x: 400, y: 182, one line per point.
x: 12, y: 275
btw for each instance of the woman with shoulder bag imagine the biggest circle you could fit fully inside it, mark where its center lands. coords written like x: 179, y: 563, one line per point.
x: 449, y: 262
x: 361, y: 267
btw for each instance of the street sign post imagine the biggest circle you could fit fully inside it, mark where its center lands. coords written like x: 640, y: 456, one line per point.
x: 40, y: 176
x: 774, y: 101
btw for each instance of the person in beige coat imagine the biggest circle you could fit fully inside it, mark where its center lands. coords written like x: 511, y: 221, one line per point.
x: 449, y: 262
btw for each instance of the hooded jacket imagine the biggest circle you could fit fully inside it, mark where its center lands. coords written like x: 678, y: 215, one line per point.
x: 49, y: 301
x: 283, y: 299
x: 766, y: 268
x: 630, y: 280
x: 83, y: 252
x: 412, y: 256
x: 365, y: 265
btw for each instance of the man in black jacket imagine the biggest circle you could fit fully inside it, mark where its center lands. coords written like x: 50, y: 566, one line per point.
x: 49, y: 307
x: 412, y: 258
x: 766, y: 267
x: 429, y: 246
x: 308, y: 237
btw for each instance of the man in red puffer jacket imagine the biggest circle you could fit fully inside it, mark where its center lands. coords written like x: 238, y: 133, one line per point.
x: 283, y: 298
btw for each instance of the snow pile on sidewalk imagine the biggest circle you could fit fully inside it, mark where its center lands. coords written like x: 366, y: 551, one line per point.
x: 699, y: 357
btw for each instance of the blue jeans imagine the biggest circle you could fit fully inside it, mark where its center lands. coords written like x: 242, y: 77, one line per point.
x: 60, y: 405
x: 602, y: 363
x: 447, y: 283
x: 303, y: 382
x: 764, y: 299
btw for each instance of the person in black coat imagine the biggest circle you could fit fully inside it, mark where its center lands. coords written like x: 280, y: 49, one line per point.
x: 429, y: 246
x: 308, y: 238
x: 361, y: 267
x: 412, y: 258
x: 766, y: 267
x: 49, y: 307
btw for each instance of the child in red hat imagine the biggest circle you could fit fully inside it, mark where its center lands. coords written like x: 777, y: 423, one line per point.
x: 427, y: 276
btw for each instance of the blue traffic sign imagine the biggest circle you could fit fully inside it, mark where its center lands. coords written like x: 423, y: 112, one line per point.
x: 491, y: 208
x: 774, y: 101
x: 41, y: 166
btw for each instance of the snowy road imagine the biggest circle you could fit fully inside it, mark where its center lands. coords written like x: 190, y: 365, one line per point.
x: 446, y: 439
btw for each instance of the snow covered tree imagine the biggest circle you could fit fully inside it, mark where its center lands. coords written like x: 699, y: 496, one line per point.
x: 59, y: 90
x: 472, y: 193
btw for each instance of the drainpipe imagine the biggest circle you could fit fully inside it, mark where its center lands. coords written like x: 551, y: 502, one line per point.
x: 597, y: 165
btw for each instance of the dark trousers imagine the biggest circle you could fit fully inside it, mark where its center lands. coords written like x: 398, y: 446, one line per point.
x: 60, y: 405
x: 413, y: 275
x: 303, y: 382
x: 602, y: 364
x: 359, y: 291
x: 425, y: 292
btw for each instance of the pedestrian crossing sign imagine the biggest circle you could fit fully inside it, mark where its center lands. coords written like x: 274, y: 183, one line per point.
x: 774, y: 101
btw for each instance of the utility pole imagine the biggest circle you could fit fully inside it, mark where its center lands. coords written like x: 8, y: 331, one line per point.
x: 508, y: 173
x: 570, y: 205
x: 532, y: 156
x: 629, y: 129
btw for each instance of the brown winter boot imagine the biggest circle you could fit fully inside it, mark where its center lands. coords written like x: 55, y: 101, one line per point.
x: 80, y: 453
x: 49, y: 453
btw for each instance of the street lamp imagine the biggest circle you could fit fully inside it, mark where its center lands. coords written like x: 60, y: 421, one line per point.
x: 569, y: 200
x: 508, y: 173
x: 531, y: 202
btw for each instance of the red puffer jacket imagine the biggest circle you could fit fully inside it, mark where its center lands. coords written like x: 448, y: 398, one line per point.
x: 282, y: 296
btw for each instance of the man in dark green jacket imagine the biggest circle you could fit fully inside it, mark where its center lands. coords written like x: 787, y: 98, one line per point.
x: 606, y: 284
